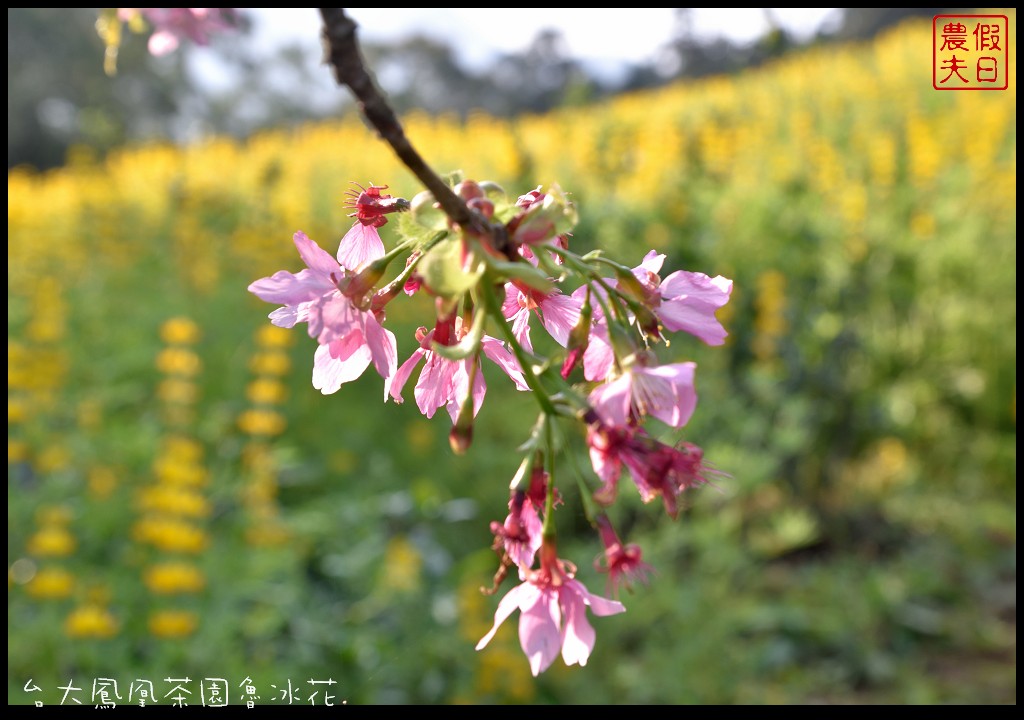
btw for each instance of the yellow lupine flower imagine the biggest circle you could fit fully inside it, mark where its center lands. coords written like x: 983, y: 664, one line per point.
x: 177, y: 416
x: 174, y: 501
x: 184, y: 449
x: 271, y: 336
x: 401, y: 567
x: 260, y: 489
x: 256, y: 456
x: 53, y: 458
x: 90, y: 621
x: 175, y: 472
x: 261, y: 422
x: 178, y: 361
x: 53, y: 541
x: 270, y: 363
x: 173, y: 623
x: 504, y: 671
x: 177, y: 390
x: 54, y: 515
x: 102, y: 481
x: 17, y: 410
x: 171, y: 535
x: 46, y: 329
x: 51, y: 583
x: 265, y: 391
x: 17, y: 451
x: 174, y: 577
x: 179, y: 331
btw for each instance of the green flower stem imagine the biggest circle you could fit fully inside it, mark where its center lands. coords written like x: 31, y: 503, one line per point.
x: 590, y: 507
x: 583, y: 265
x: 588, y: 272
x: 548, y: 529
x: 411, y: 267
x: 493, y: 309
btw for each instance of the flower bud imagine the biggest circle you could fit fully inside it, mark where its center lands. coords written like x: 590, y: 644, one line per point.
x: 427, y: 212
x: 492, y: 190
x: 548, y: 215
x: 483, y: 206
x: 460, y: 438
x: 469, y: 189
x: 356, y: 286
x: 579, y: 339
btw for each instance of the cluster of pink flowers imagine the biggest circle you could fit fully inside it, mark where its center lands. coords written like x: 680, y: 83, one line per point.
x: 172, y: 25
x: 608, y: 326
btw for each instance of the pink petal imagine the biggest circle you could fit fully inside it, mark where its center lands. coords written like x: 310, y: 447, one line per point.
x: 317, y: 259
x: 560, y: 314
x: 337, y: 317
x: 578, y: 635
x: 652, y: 262
x: 342, y: 348
x: 162, y: 42
x: 435, y: 386
x: 330, y: 373
x: 479, y: 387
x: 511, y: 304
x: 286, y: 317
x: 697, y: 286
x: 539, y: 635
x: 361, y: 245
x: 286, y: 288
x: 382, y: 346
x: 398, y: 380
x: 497, y: 353
x: 598, y: 605
x: 521, y: 329
x: 599, y: 357
x: 607, y: 465
x: 534, y: 528
x: 695, y: 317
x: 514, y: 598
x: 613, y: 400
x: 460, y: 384
x: 666, y: 392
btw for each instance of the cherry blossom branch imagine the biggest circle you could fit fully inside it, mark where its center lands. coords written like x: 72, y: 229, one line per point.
x: 341, y: 49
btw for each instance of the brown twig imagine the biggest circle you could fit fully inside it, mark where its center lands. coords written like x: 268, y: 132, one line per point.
x: 341, y: 50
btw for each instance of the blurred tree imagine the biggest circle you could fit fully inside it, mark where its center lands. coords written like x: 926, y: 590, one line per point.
x: 863, y: 23
x: 541, y: 78
x: 421, y: 72
x: 58, y: 95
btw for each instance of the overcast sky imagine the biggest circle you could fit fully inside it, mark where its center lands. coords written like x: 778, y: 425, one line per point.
x: 596, y: 34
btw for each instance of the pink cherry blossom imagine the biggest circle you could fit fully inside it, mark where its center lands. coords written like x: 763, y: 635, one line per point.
x: 553, y: 615
x: 362, y: 243
x: 352, y: 337
x: 623, y: 563
x: 657, y: 469
x: 520, y: 535
x: 664, y: 391
x: 598, y: 357
x: 685, y: 300
x: 444, y: 382
x: 171, y: 25
x: 360, y: 246
x: 558, y: 313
